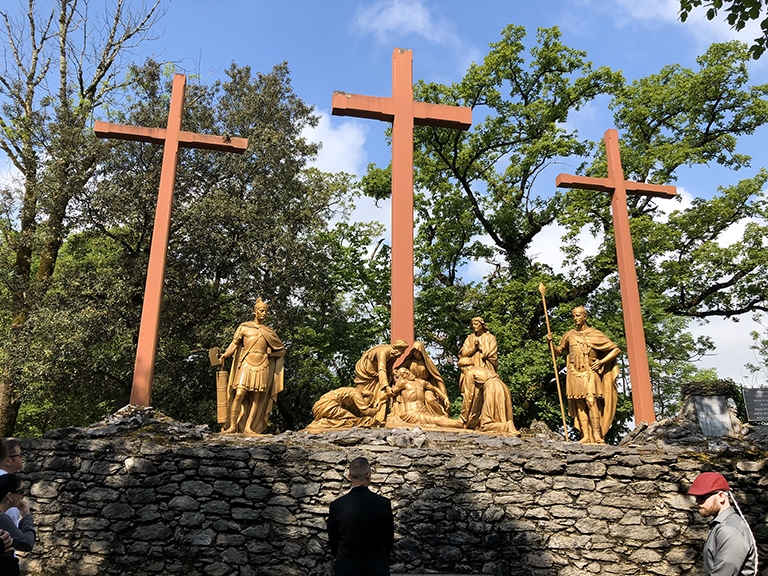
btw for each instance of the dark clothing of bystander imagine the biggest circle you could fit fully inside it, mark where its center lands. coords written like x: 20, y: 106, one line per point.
x: 361, y: 532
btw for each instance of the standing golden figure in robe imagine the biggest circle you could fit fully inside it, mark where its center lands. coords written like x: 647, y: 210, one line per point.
x: 256, y: 376
x: 590, y: 380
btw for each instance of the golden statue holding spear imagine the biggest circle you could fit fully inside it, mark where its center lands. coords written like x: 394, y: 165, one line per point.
x: 590, y: 381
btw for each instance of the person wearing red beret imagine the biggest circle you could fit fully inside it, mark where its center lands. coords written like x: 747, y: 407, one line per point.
x: 730, y: 549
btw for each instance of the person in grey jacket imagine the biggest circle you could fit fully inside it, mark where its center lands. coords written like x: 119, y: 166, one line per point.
x: 730, y: 548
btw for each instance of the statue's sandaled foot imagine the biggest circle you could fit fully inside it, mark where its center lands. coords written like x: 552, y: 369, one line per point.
x: 249, y: 433
x: 230, y: 430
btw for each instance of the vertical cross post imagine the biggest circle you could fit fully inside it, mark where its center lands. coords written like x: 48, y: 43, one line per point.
x: 171, y: 137
x: 642, y: 393
x: 404, y: 113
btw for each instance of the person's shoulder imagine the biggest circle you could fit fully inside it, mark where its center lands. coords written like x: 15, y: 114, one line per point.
x: 731, y: 519
x: 731, y: 533
x: 379, y: 498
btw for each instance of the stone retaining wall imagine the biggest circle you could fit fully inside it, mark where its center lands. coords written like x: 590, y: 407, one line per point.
x: 156, y: 497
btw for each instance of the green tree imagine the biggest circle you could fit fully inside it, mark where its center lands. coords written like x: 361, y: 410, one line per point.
x: 48, y: 93
x: 759, y: 368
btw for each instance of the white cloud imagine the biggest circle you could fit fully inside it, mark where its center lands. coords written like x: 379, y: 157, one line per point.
x: 343, y: 146
x: 389, y: 19
x: 681, y: 202
x: 545, y: 247
x: 734, y: 232
x: 648, y: 12
x: 666, y: 12
x: 732, y: 351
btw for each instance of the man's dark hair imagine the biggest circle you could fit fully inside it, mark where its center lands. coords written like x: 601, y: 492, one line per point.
x: 9, y: 483
x: 359, y: 468
x: 10, y: 444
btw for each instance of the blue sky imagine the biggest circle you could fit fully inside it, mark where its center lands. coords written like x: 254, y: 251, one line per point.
x: 347, y: 45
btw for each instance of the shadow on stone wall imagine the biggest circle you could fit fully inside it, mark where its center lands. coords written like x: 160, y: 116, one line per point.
x: 140, y: 494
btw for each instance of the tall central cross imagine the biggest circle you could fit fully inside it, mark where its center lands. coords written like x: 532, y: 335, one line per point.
x: 172, y: 137
x: 404, y: 113
x: 642, y: 394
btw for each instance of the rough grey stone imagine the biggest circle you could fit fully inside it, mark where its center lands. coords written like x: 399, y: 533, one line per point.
x: 196, y: 488
x: 464, y: 503
x: 183, y: 503
x: 545, y: 465
x: 116, y: 510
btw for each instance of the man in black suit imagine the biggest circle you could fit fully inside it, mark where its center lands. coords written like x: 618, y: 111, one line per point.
x: 361, y: 529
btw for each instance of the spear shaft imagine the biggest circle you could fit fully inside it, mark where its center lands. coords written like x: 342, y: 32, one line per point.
x: 542, y: 289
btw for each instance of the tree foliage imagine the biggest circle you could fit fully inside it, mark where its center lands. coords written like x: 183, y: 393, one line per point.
x: 57, y: 72
x: 243, y: 226
x: 738, y: 14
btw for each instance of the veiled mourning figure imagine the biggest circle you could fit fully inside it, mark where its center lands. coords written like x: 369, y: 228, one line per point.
x: 421, y: 366
x: 374, y: 372
x: 256, y: 376
x: 480, y: 349
x: 590, y: 379
x: 343, y: 408
x: 491, y: 403
x: 409, y: 393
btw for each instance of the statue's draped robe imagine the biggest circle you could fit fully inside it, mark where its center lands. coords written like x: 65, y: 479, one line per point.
x: 581, y: 348
x: 367, y: 375
x: 486, y: 357
x: 492, y: 409
x: 263, y: 380
x: 342, y: 408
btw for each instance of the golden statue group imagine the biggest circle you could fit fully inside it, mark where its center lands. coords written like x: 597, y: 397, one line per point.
x: 399, y: 386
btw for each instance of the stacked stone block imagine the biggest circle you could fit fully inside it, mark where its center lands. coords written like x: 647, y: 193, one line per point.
x: 146, y: 502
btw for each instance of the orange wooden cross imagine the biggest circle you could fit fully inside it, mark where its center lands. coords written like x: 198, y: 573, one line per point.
x: 404, y: 113
x: 642, y: 394
x: 172, y: 137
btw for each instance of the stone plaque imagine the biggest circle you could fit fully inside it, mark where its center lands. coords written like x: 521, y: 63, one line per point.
x: 756, y: 402
x: 712, y: 413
